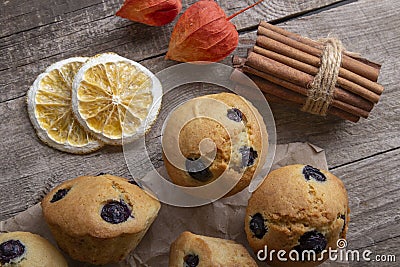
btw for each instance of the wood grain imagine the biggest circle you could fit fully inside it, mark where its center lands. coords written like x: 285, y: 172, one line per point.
x: 374, y: 194
x: 30, y: 168
x: 339, y: 138
x: 368, y: 29
x: 40, y: 34
x: 365, y: 155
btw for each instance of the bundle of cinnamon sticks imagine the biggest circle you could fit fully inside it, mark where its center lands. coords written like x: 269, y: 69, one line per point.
x: 283, y: 65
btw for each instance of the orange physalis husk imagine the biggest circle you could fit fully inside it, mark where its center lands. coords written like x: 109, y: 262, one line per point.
x: 203, y: 33
x: 150, y: 12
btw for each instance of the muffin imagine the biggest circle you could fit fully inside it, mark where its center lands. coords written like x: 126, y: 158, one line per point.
x: 202, y: 251
x: 99, y: 219
x: 211, y: 135
x: 297, y: 208
x: 28, y: 250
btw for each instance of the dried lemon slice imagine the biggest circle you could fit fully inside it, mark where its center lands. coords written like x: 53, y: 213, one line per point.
x: 49, y: 108
x: 115, y: 98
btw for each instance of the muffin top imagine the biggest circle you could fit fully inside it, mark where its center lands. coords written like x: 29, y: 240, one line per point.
x: 200, y: 251
x: 27, y: 249
x: 102, y: 206
x: 297, y: 200
x: 220, y: 130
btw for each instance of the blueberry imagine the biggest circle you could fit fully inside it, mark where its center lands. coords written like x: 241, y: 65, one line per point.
x: 10, y: 249
x: 248, y: 156
x: 257, y: 226
x: 312, y: 240
x: 198, y: 170
x: 235, y: 114
x: 191, y: 260
x: 115, y: 212
x: 60, y: 194
x: 311, y: 172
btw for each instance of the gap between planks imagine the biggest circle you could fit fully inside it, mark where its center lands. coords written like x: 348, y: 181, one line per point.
x: 241, y: 31
x: 363, y: 158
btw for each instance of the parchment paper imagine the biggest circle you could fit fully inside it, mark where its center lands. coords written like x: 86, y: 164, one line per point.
x: 223, y: 218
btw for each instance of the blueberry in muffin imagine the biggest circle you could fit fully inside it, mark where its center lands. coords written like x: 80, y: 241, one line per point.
x: 99, y: 219
x: 191, y: 250
x: 25, y: 249
x: 297, y: 208
x: 232, y: 124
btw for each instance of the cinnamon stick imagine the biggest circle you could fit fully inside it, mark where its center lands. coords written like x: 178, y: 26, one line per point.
x: 361, y: 67
x: 279, y: 94
x: 339, y: 93
x: 281, y: 72
x: 285, y: 65
x: 302, y: 92
x: 371, y: 92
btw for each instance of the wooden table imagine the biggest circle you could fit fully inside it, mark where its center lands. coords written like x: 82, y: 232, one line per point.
x: 365, y: 155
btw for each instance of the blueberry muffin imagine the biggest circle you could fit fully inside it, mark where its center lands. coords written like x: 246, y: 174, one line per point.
x: 191, y: 250
x: 99, y: 219
x: 297, y: 208
x: 28, y: 250
x: 213, y: 134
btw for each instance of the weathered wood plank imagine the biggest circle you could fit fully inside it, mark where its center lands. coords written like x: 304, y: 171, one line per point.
x: 372, y: 183
x: 369, y: 29
x: 49, y: 32
x: 345, y: 141
x: 374, y: 194
x: 24, y: 15
x: 28, y: 166
x: 27, y: 170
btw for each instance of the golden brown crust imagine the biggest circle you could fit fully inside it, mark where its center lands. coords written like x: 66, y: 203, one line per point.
x: 250, y: 132
x: 212, y: 252
x: 292, y: 206
x: 38, y: 251
x: 77, y: 225
x: 78, y: 212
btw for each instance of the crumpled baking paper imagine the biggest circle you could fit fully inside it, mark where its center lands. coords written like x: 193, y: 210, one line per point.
x: 223, y: 218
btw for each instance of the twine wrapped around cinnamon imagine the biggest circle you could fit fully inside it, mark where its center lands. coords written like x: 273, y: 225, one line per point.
x: 317, y: 75
x: 320, y: 93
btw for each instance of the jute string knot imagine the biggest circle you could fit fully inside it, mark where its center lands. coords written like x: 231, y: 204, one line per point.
x: 320, y: 93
